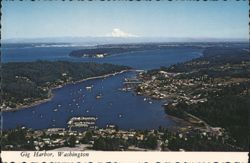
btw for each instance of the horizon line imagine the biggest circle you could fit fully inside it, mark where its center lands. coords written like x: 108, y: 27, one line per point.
x: 73, y: 39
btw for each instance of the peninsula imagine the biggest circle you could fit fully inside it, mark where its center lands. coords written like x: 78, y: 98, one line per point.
x: 210, y: 92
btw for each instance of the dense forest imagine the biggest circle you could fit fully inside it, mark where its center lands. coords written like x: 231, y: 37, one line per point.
x: 214, y: 57
x: 23, y: 83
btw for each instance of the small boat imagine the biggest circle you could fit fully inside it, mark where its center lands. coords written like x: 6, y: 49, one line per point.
x: 150, y: 102
x: 144, y: 99
x: 120, y: 115
x: 88, y: 88
x: 55, y: 110
x: 87, y: 111
x: 59, y: 105
x: 98, y: 96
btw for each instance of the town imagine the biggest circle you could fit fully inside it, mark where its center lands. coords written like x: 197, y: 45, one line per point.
x: 212, y: 90
x: 111, y: 138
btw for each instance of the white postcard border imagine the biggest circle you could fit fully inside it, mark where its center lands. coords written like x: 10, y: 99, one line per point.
x: 124, y: 157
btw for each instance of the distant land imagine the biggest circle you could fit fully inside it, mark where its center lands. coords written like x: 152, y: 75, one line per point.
x: 117, y: 40
x: 101, y: 51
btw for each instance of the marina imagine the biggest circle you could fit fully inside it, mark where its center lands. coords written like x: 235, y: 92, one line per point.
x: 82, y: 123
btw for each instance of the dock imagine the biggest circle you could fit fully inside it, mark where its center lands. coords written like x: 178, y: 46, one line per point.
x: 131, y: 82
x: 82, y: 122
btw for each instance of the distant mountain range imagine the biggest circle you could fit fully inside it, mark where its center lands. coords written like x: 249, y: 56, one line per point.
x: 114, y: 40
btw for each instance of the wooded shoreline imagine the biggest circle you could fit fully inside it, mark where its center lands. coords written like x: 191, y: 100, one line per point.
x: 40, y: 101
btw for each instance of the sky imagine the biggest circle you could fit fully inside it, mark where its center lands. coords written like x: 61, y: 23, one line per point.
x: 181, y: 19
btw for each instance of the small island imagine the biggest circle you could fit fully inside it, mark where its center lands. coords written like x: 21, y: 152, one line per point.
x: 30, y: 83
x: 103, y: 51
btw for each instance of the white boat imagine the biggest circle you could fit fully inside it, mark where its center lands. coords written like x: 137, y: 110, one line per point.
x: 98, y: 96
x: 55, y: 110
x: 88, y: 88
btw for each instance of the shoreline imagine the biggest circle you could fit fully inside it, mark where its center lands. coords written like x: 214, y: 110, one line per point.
x: 38, y: 102
x: 94, y: 77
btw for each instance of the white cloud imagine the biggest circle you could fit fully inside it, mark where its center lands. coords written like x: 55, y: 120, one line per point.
x: 116, y: 32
